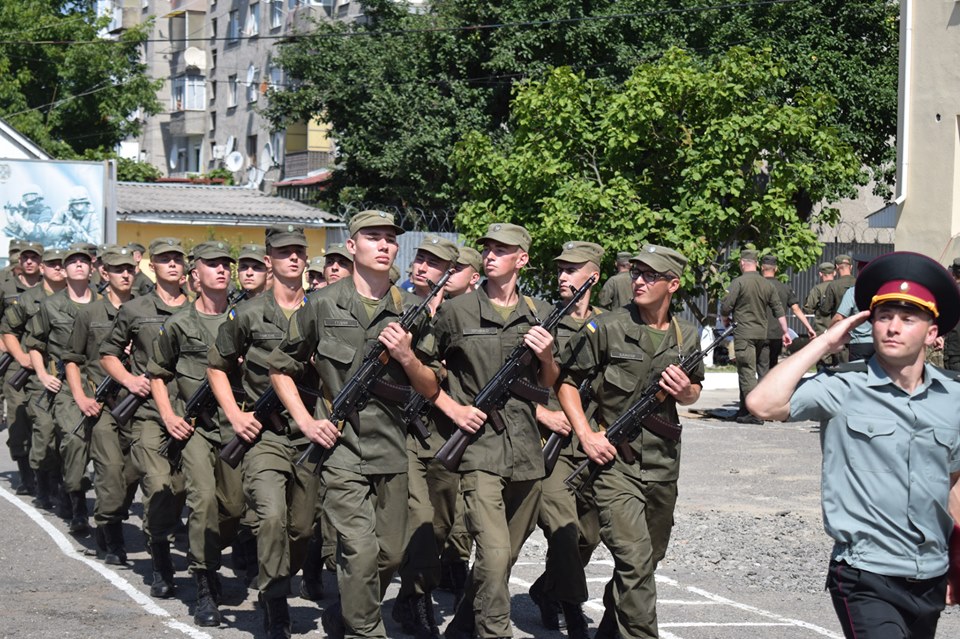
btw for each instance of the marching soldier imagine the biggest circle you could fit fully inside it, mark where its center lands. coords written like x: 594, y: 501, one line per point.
x: 500, y: 472
x: 565, y: 520
x: 252, y: 271
x: 628, y: 349
x: 115, y: 480
x: 214, y: 489
x: 364, y: 471
x: 141, y: 284
x: 618, y: 290
x: 135, y: 327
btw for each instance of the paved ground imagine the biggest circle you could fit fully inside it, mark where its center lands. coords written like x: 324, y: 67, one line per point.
x: 746, y: 559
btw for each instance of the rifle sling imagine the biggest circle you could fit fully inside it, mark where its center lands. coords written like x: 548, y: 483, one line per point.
x: 530, y: 392
x: 390, y: 392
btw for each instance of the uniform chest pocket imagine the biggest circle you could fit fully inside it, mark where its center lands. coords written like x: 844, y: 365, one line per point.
x: 619, y: 380
x: 335, y: 350
x: 872, y: 443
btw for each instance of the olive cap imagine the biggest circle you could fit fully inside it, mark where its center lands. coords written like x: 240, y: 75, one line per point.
x: 368, y: 219
x: 509, y: 234
x: 661, y: 259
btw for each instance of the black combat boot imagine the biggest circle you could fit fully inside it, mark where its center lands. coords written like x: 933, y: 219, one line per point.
x: 251, y: 562
x: 332, y: 621
x: 27, y: 485
x: 453, y: 578
x: 311, y: 580
x: 425, y: 624
x: 110, y: 546
x: 79, y: 524
x: 549, y: 609
x: 276, y: 618
x: 162, y: 586
x: 206, y: 612
x: 576, y: 621
x: 64, y: 505
x: 608, y: 627
x: 44, y: 489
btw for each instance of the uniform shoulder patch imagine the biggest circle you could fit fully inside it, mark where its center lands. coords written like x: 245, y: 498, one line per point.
x: 859, y: 366
x: 592, y: 326
x: 232, y: 315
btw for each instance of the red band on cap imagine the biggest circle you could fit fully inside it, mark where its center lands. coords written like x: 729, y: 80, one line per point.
x: 906, y: 291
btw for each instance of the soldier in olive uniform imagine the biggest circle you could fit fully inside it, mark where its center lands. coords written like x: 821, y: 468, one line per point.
x: 569, y: 524
x: 813, y: 304
x: 618, y: 290
x: 500, y: 472
x: 281, y: 494
x: 25, y: 277
x: 136, y: 326
x: 365, y: 465
x: 629, y: 349
x: 790, y: 301
x: 115, y: 480
x: 7, y: 275
x: 141, y: 283
x: 432, y: 488
x: 466, y: 272
x: 48, y: 333
x: 749, y: 299
x: 315, y: 274
x: 951, y: 341
x: 214, y: 489
x: 843, y: 280
x: 252, y: 269
x: 337, y: 263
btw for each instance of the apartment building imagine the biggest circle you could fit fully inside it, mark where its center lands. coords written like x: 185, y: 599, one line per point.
x: 217, y: 59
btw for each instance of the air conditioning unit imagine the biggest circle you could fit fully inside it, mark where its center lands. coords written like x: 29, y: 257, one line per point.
x: 219, y: 151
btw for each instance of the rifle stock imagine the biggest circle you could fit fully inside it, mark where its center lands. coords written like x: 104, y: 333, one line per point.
x: 356, y: 391
x: 5, y: 360
x: 640, y: 415
x: 268, y: 404
x: 493, y: 396
x: 19, y: 379
x: 557, y: 442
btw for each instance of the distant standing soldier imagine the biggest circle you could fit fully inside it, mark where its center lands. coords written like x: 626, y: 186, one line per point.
x: 812, y: 305
x: 618, y: 290
x: 844, y: 279
x: 749, y: 299
x: 951, y: 340
x: 789, y: 299
x: 142, y: 285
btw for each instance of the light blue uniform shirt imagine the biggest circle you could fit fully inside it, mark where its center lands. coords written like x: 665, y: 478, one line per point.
x: 887, y: 459
x: 862, y: 334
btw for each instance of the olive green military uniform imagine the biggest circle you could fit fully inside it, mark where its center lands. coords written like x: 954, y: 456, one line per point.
x: 138, y: 323
x: 115, y: 478
x: 214, y: 490
x: 18, y: 420
x: 749, y: 299
x: 636, y: 501
x: 365, y: 474
x: 834, y: 293
x: 282, y: 494
x: 616, y: 291
x: 951, y: 350
x: 787, y: 298
x: 48, y: 332
x: 500, y: 472
x: 814, y: 306
x: 569, y: 523
x: 142, y: 285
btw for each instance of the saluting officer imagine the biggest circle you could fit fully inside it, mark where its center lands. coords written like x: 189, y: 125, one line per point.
x: 627, y: 350
x: 281, y: 494
x: 365, y: 470
x: 214, y: 489
x: 569, y: 525
x: 135, y: 327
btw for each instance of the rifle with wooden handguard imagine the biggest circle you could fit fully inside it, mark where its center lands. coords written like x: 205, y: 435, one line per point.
x: 493, y: 396
x: 640, y: 415
x: 357, y: 390
x: 199, y: 406
x: 557, y: 442
x: 107, y: 388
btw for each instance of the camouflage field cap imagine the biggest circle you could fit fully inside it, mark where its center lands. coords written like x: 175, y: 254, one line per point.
x: 369, y: 219
x: 254, y: 252
x: 661, y: 259
x: 509, y: 234
x: 440, y: 247
x: 580, y: 252
x: 285, y: 235
x: 167, y: 245
x: 470, y: 257
x: 212, y: 250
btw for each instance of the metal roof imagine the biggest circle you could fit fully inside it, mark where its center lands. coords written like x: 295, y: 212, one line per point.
x: 219, y: 205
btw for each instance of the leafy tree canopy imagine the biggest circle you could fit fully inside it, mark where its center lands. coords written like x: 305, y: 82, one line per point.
x: 64, y: 87
x: 692, y: 155
x: 401, y: 88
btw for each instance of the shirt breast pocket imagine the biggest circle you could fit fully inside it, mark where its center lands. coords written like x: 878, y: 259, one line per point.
x: 338, y: 353
x: 619, y: 382
x: 872, y: 444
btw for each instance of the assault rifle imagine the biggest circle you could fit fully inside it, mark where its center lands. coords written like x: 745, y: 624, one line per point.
x: 557, y: 442
x: 199, y: 406
x: 493, y: 396
x: 19, y: 379
x: 413, y: 413
x: 357, y: 390
x: 107, y: 388
x: 61, y: 375
x: 5, y: 360
x: 641, y: 415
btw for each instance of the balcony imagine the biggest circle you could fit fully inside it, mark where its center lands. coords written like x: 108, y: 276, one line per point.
x: 188, y: 123
x: 304, y: 162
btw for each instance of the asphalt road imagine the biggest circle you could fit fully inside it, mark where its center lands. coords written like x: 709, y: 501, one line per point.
x: 746, y: 559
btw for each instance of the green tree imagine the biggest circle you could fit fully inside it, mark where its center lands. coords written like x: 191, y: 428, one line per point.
x: 401, y: 88
x: 62, y: 85
x: 686, y: 154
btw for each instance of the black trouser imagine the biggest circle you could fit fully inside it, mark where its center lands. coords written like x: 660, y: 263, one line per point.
x: 872, y: 606
x: 860, y: 351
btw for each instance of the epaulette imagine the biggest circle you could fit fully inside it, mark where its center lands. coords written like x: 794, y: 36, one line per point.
x: 948, y: 373
x: 859, y: 366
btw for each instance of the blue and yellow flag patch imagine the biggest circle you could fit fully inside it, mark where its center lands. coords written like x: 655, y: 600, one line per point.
x: 592, y: 326
x: 232, y: 315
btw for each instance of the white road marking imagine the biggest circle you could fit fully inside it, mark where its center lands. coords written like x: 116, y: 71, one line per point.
x: 67, y: 548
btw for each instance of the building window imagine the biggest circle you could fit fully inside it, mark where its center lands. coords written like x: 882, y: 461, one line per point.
x: 253, y: 83
x: 232, y: 88
x: 233, y: 26
x: 189, y: 93
x: 252, y: 148
x: 343, y: 10
x: 213, y: 122
x: 276, y: 76
x: 213, y: 60
x: 213, y: 28
x: 276, y: 14
x: 252, y: 27
x: 213, y: 91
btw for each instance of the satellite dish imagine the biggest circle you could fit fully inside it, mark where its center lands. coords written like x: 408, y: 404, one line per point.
x: 196, y: 58
x: 234, y: 161
x: 174, y: 156
x: 229, y: 145
x: 256, y: 176
x: 251, y: 74
x: 266, y: 157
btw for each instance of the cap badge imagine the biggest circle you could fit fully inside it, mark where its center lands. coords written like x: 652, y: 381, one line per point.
x: 219, y: 245
x: 569, y: 245
x: 651, y: 249
x: 904, y: 287
x: 496, y: 227
x: 290, y: 228
x: 382, y: 214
